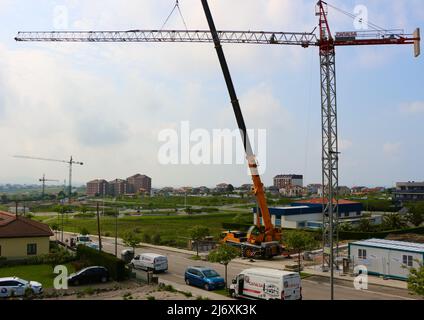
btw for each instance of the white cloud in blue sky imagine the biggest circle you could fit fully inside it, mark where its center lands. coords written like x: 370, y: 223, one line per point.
x: 106, y: 103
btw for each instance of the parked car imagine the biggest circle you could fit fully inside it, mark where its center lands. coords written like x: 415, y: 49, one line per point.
x: 267, y: 284
x: 89, y: 275
x: 204, y: 277
x: 13, y: 286
x: 150, y: 262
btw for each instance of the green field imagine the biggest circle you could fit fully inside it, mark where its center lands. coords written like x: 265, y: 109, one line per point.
x: 42, y: 273
x: 170, y: 228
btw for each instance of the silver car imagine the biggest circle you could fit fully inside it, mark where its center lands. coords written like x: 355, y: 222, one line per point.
x: 16, y: 287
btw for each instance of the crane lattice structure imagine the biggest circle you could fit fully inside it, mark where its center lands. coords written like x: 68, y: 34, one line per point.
x: 70, y: 162
x: 44, y: 180
x: 326, y: 44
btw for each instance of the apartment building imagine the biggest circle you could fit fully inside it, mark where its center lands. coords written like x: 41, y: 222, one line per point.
x: 285, y: 180
x: 139, y: 183
x: 98, y: 187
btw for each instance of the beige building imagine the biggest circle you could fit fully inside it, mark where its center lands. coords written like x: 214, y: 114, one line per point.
x: 285, y: 180
x: 22, y: 238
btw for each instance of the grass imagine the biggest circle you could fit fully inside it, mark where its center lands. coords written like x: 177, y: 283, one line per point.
x: 173, y: 230
x: 222, y: 292
x: 41, y: 273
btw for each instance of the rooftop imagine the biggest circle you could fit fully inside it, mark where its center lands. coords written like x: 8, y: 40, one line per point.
x: 12, y: 226
x: 390, y: 244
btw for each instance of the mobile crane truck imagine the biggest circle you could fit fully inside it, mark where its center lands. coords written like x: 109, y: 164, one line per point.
x: 261, y: 240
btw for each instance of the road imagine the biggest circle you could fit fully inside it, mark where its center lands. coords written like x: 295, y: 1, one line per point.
x: 313, y: 288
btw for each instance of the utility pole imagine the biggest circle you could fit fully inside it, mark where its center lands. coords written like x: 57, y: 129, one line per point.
x: 98, y: 227
x: 116, y: 232
x: 63, y: 212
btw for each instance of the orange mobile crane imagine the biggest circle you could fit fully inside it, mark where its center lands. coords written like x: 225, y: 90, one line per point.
x: 263, y: 241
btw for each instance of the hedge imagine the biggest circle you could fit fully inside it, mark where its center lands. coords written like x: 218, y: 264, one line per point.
x: 236, y: 226
x: 352, y: 235
x: 117, y: 268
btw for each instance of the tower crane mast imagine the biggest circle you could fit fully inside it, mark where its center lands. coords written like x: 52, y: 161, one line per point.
x: 44, y: 180
x: 70, y: 162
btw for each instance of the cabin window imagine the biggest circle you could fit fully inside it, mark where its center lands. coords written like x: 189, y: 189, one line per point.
x: 408, y: 261
x: 362, y: 254
x: 31, y: 249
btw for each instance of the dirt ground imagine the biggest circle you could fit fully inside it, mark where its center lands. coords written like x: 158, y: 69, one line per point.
x: 129, y: 290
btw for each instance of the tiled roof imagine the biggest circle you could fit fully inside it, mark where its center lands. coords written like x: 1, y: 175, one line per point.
x: 12, y: 226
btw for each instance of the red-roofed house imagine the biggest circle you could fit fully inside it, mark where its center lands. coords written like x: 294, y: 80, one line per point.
x: 23, y: 238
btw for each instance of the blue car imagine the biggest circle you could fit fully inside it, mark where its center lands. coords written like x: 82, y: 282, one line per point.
x: 204, y: 277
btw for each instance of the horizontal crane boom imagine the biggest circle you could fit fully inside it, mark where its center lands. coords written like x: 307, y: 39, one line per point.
x: 198, y: 36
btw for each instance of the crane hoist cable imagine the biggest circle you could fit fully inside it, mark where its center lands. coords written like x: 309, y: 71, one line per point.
x: 176, y: 6
x: 350, y: 15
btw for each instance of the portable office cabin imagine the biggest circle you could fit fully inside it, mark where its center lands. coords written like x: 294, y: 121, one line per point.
x: 390, y: 259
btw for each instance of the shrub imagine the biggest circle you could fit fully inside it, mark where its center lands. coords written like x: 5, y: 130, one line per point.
x: 156, y: 239
x: 116, y: 267
x: 147, y: 238
x: 84, y: 231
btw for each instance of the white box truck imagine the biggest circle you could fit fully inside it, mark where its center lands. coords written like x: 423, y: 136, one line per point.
x: 267, y: 284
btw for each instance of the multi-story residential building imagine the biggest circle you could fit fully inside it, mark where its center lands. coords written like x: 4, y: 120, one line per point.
x: 285, y: 180
x: 98, y: 187
x: 139, y: 183
x: 409, y: 191
x: 118, y: 187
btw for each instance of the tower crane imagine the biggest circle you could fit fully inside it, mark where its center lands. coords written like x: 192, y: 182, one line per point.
x: 324, y: 41
x: 70, y: 162
x: 44, y: 180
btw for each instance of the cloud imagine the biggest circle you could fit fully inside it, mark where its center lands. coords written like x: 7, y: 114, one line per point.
x: 413, y: 107
x: 392, y: 149
x: 345, y: 144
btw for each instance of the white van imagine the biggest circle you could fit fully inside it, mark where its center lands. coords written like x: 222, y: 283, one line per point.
x: 267, y: 284
x: 150, y: 262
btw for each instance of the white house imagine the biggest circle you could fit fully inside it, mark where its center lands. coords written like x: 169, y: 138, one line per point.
x: 391, y: 259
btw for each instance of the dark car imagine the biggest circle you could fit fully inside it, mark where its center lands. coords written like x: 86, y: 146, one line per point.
x: 204, y: 277
x: 89, y: 275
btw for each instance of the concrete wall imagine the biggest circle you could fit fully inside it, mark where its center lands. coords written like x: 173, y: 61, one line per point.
x: 16, y: 248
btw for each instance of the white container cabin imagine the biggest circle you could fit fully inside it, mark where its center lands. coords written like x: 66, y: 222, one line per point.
x: 386, y: 258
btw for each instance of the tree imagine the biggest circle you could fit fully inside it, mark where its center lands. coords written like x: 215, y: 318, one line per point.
x: 299, y: 241
x: 393, y: 221
x: 198, y: 233
x: 416, y: 213
x: 230, y: 188
x: 416, y: 280
x: 224, y: 254
x: 4, y: 198
x: 365, y: 225
x: 131, y: 239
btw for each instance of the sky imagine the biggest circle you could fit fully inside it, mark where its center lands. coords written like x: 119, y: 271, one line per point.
x: 106, y: 104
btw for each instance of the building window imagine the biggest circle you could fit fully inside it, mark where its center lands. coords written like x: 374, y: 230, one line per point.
x: 358, y: 213
x: 32, y: 249
x: 408, y: 261
x: 362, y: 254
x: 278, y: 222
